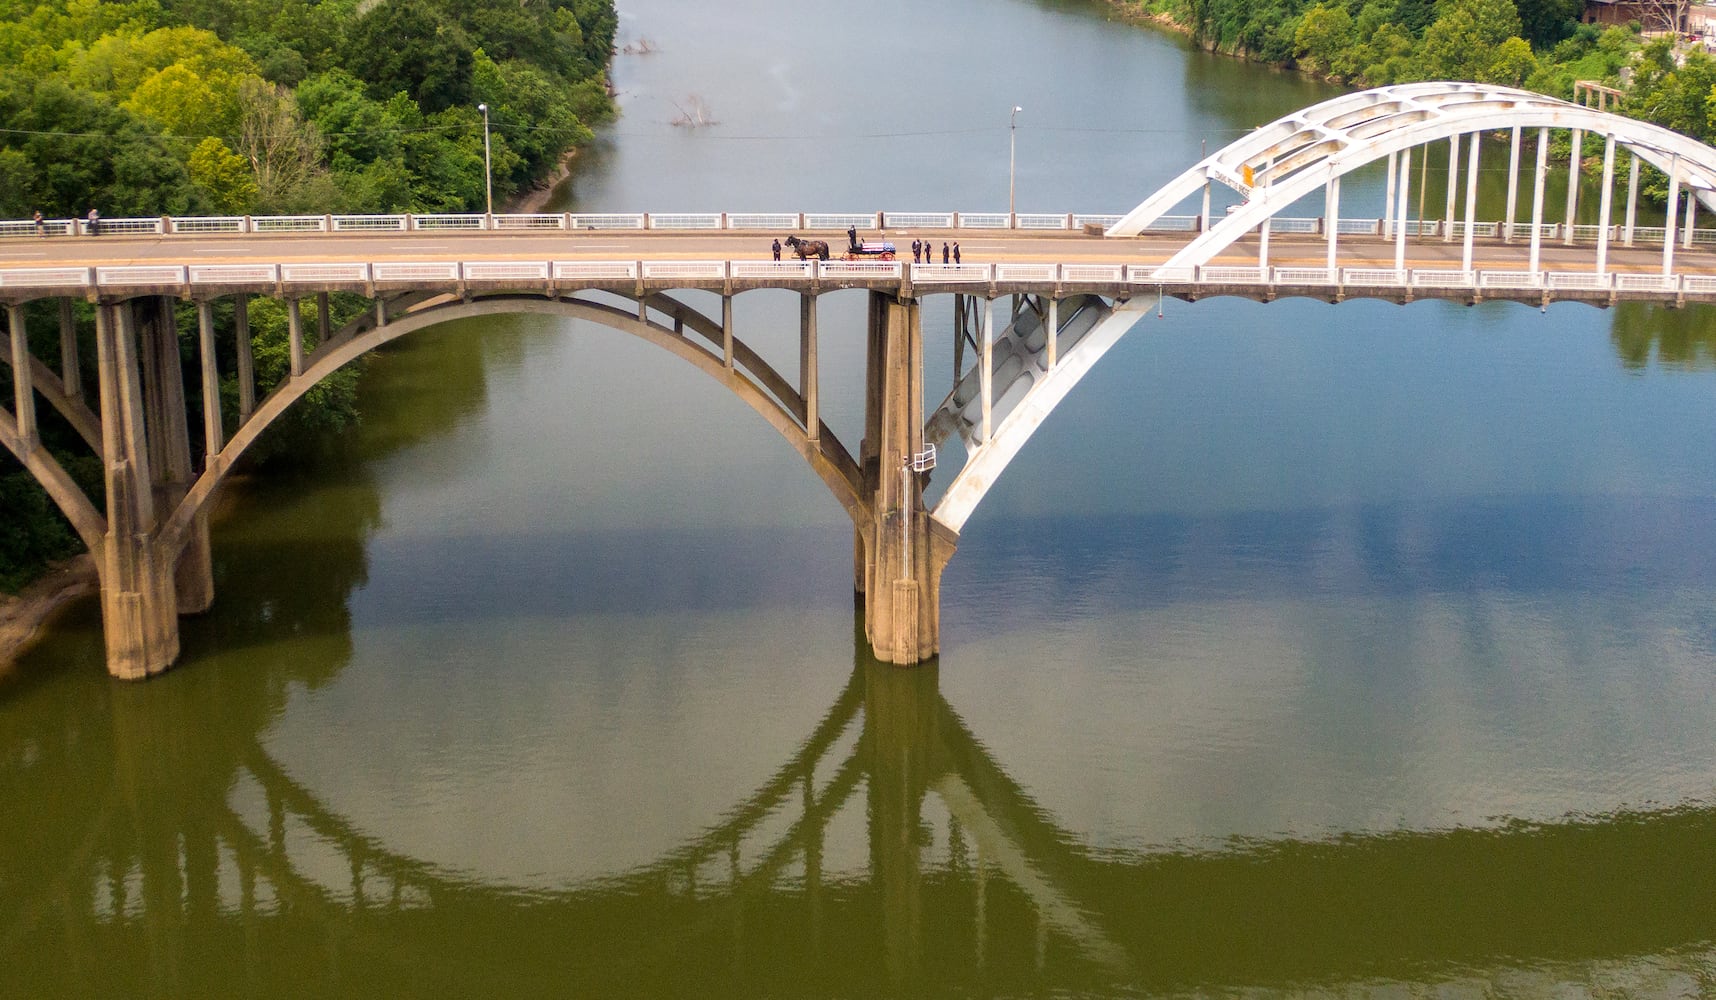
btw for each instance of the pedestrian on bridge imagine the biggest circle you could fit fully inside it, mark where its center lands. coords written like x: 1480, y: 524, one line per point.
x: 94, y: 223
x: 944, y: 253
x: 41, y: 227
x: 917, y: 250
x: 777, y: 248
x: 852, y: 236
x: 956, y: 251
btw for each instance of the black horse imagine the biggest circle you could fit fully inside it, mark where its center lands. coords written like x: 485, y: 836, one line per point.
x: 807, y: 249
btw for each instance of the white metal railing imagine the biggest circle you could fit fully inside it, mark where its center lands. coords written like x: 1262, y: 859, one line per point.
x: 700, y: 220
x: 1698, y: 284
x: 1375, y: 277
x: 45, y: 277
x: 370, y: 223
x: 983, y: 220
x: 762, y: 220
x: 210, y: 224
x: 1647, y: 282
x: 1233, y: 275
x: 772, y: 269
x: 1185, y: 274
x: 1510, y: 279
x: 594, y: 270
x: 530, y: 221
x: 1432, y: 278
x: 685, y: 269
x: 442, y: 223
x: 1358, y: 227
x: 328, y: 273
x: 1580, y: 280
x: 140, y: 274
x: 1027, y: 272
x: 932, y: 273
x: 918, y: 220
x: 27, y: 227
x: 1171, y: 224
x: 415, y: 271
x: 233, y: 274
x: 126, y: 227
x: 860, y: 269
x: 1080, y: 221
x: 1093, y: 272
x: 1041, y: 221
x: 506, y: 270
x: 1307, y: 276
x: 835, y: 220
x: 607, y: 220
x: 1300, y: 226
x: 288, y: 223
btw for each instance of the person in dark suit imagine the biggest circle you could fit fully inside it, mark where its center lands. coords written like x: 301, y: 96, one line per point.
x: 852, y: 236
x: 917, y: 250
x: 944, y: 253
x: 956, y: 252
x: 777, y: 248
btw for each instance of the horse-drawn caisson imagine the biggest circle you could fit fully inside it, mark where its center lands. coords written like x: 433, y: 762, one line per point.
x: 806, y: 249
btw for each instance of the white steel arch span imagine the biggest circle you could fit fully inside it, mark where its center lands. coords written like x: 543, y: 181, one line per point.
x: 1294, y: 156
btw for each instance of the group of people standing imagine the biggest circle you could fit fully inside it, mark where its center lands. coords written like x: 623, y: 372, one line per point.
x: 92, y: 223
x: 923, y: 252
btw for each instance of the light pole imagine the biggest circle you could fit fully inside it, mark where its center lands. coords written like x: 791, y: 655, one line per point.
x: 1012, y: 156
x: 488, y: 178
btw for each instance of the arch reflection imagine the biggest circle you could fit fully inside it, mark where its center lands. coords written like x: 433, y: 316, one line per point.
x: 198, y: 874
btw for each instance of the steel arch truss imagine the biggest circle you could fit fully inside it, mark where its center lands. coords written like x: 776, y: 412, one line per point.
x: 1294, y: 156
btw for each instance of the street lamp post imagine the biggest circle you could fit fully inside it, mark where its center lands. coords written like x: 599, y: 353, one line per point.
x: 488, y: 177
x: 1012, y: 157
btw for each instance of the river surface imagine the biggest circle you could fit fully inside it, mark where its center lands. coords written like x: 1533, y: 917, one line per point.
x: 1356, y: 650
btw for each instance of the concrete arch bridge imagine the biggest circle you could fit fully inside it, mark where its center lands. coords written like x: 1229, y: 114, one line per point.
x: 1069, y: 286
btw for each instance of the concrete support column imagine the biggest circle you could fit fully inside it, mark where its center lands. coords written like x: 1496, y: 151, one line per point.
x: 246, y: 367
x: 1572, y: 186
x: 214, y: 437
x: 1471, y: 204
x: 1400, y: 210
x: 807, y: 366
x: 985, y: 376
x: 1605, y: 205
x: 1204, y: 216
x: 1512, y: 186
x: 23, y: 385
x: 1669, y: 216
x: 1691, y: 212
x: 324, y: 326
x: 727, y: 332
x: 167, y: 430
x: 70, y: 374
x: 139, y: 613
x: 1262, y: 231
x: 1453, y: 175
x: 907, y: 549
x: 1632, y: 201
x: 295, y: 335
x: 1541, y: 173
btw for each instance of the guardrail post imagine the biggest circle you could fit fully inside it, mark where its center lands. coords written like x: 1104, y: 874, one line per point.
x: 165, y: 226
x: 327, y: 224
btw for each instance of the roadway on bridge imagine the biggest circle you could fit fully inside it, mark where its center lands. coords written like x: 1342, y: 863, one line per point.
x: 977, y: 246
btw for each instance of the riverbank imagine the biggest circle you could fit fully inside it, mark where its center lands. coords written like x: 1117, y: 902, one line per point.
x: 24, y: 615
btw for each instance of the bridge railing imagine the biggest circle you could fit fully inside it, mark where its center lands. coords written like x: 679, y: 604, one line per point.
x: 284, y: 278
x: 782, y: 222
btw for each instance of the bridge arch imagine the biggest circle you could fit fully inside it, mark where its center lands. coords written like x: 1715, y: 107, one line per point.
x: 1299, y: 153
x: 765, y: 391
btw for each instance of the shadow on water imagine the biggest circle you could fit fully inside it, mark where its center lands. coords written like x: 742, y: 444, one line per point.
x: 151, y: 847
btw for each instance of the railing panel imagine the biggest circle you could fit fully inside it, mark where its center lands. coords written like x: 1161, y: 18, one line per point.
x: 50, y: 227
x: 594, y: 270
x: 933, y: 273
x: 1289, y: 225
x: 1373, y: 277
x: 762, y: 220
x: 685, y: 269
x: 859, y: 269
x: 233, y: 274
x: 685, y: 220
x: 1143, y: 273
x: 836, y: 220
x: 1647, y: 282
x: 1358, y: 227
x: 1026, y: 272
x: 1042, y: 221
x: 1581, y: 279
x: 530, y: 221
x: 321, y: 273
x: 1647, y: 234
x: 589, y: 220
x: 436, y: 271
x: 140, y: 274
x: 1510, y: 279
x: 506, y: 270
x: 1703, y: 236
x: 1093, y: 272
x: 443, y: 223
x: 1699, y: 284
x: 1233, y: 275
x: 1080, y: 221
x: 369, y: 223
x: 1433, y: 278
x: 984, y: 220
x: 771, y: 268
x: 44, y: 277
x: 1307, y: 275
x: 918, y: 220
x: 209, y: 224
x: 126, y: 227
x: 1479, y: 229
x: 288, y: 223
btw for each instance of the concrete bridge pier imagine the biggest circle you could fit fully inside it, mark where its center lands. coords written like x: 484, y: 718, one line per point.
x: 901, y: 551
x: 168, y: 433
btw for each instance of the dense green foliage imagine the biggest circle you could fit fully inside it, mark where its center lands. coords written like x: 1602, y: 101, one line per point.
x: 182, y: 107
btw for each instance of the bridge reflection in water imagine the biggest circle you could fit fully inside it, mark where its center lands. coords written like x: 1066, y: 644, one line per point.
x: 201, y: 874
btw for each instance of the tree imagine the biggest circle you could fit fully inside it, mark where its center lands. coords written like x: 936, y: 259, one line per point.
x: 226, y: 176
x: 411, y: 47
x: 1512, y: 64
x: 1545, y: 22
x: 285, y: 152
x: 1324, y: 36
